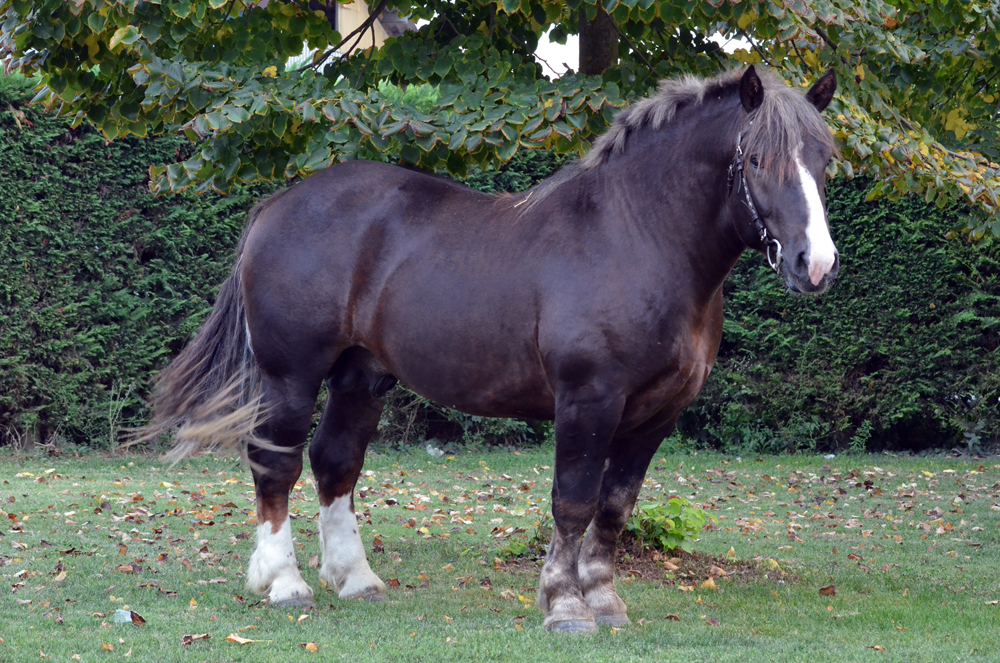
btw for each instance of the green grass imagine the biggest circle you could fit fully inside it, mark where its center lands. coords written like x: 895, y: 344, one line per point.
x: 919, y: 594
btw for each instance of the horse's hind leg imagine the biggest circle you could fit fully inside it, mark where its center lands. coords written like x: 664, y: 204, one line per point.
x: 273, y: 569
x: 619, y: 490
x: 337, y: 454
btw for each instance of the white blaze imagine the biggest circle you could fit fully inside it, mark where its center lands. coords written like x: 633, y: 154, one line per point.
x: 272, y: 567
x: 822, y: 252
x: 345, y: 566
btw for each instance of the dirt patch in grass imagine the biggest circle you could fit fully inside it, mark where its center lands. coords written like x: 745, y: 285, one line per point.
x: 686, y: 569
x: 676, y: 568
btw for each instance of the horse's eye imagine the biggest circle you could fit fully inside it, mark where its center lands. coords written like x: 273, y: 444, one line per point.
x: 753, y: 160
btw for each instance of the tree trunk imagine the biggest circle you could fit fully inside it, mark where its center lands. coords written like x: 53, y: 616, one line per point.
x: 598, y: 43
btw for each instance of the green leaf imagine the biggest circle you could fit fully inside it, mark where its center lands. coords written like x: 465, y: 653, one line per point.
x: 126, y: 35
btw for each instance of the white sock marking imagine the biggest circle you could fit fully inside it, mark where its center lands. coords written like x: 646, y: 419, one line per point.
x: 822, y: 252
x: 272, y: 567
x: 345, y: 566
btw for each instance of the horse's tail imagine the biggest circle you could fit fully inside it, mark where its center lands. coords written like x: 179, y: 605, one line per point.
x: 211, y: 392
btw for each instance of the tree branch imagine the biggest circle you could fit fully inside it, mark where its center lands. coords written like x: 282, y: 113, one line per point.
x: 358, y: 33
x: 364, y: 67
x: 826, y: 38
x: 802, y: 58
x: 632, y: 48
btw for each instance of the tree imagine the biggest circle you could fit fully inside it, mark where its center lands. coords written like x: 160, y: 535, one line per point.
x: 916, y: 109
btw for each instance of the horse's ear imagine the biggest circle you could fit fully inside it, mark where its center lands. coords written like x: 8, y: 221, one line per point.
x: 751, y: 90
x: 822, y: 92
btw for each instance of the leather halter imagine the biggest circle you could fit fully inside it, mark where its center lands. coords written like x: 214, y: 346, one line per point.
x: 738, y: 174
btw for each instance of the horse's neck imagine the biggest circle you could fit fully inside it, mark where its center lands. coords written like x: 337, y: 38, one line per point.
x: 673, y: 186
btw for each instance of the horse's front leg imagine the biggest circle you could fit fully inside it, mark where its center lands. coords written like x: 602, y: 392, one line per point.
x: 619, y: 489
x: 273, y: 569
x: 585, y: 423
x: 337, y: 454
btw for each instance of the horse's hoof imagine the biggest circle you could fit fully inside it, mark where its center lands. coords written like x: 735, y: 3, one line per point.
x: 613, y: 620
x: 373, y: 597
x: 581, y: 626
x: 295, y: 602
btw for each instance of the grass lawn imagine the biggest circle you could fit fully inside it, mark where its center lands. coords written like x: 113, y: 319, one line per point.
x: 911, y: 546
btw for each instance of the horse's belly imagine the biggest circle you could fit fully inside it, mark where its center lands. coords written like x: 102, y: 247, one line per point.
x: 492, y: 372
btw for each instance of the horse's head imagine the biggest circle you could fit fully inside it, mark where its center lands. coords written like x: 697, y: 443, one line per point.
x: 779, y: 175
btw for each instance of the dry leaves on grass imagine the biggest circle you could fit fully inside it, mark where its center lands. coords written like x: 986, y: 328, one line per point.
x: 310, y: 646
x: 829, y: 590
x: 188, y: 639
x: 243, y: 641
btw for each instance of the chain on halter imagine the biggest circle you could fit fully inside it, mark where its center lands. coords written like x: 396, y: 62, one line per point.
x: 736, y: 170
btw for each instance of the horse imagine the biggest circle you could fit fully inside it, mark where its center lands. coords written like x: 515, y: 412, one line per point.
x: 594, y: 299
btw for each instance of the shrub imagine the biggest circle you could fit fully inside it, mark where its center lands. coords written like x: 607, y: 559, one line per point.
x: 666, y: 527
x: 102, y: 281
x: 901, y: 353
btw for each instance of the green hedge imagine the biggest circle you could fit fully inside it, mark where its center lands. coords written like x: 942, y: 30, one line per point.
x: 102, y: 283
x: 901, y: 353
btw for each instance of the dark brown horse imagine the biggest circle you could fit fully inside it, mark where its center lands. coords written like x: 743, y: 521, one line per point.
x: 595, y: 300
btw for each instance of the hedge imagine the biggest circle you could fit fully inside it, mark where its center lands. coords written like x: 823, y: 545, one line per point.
x: 103, y: 283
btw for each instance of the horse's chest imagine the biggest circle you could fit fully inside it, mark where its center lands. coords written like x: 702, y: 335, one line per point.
x: 676, y: 379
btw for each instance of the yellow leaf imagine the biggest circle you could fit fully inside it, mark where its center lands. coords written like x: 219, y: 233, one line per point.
x: 239, y: 640
x: 708, y: 584
x: 311, y: 647
x: 860, y: 71
x: 60, y: 577
x: 745, y: 20
x: 271, y: 72
x: 955, y: 122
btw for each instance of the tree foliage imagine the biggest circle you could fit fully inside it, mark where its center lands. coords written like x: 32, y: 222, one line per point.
x: 916, y: 109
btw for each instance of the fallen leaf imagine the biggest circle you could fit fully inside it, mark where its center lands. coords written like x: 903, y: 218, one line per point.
x: 239, y: 640
x: 314, y: 562
x: 188, y: 639
x: 717, y: 571
x: 829, y: 590
x: 709, y: 584
x: 713, y: 622
x: 508, y: 594
x: 107, y: 647
x: 302, y: 618
x: 876, y: 647
x: 309, y: 646
x: 673, y: 617
x: 670, y: 566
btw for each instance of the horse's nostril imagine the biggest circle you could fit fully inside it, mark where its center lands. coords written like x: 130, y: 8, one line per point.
x: 802, y: 263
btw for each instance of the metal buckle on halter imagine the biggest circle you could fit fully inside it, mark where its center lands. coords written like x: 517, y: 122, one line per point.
x: 776, y: 263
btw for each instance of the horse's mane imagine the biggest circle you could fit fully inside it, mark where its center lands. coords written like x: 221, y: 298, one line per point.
x: 772, y: 132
